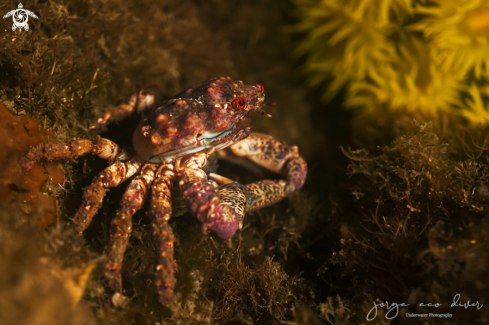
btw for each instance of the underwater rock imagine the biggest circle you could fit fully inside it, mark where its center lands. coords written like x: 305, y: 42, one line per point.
x: 19, y: 188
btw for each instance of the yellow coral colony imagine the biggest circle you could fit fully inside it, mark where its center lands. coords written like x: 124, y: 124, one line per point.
x: 406, y: 55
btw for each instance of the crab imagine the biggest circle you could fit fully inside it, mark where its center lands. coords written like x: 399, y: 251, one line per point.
x: 172, y: 143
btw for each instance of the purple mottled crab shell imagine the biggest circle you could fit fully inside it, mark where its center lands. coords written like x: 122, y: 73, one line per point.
x: 207, y: 115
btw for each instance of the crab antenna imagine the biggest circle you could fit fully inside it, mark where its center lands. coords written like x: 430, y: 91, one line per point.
x: 263, y: 112
x: 269, y: 104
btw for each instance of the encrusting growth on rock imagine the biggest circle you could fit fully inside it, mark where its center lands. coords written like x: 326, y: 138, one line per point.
x: 18, y: 185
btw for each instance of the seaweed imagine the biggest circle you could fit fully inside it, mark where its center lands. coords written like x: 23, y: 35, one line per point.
x: 264, y: 292
x: 417, y: 223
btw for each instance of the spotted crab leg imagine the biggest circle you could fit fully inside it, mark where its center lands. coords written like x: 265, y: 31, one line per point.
x: 273, y: 155
x: 220, y: 209
x: 121, y: 227
x: 93, y: 196
x: 104, y: 148
x: 139, y: 102
x: 161, y: 209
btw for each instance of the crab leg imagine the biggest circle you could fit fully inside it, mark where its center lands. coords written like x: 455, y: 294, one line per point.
x: 161, y: 210
x: 220, y: 209
x: 93, y: 196
x: 138, y: 102
x: 132, y: 201
x: 276, y: 156
x: 104, y: 148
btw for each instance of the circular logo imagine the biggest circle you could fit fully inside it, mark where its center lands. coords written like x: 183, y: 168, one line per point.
x: 20, y: 18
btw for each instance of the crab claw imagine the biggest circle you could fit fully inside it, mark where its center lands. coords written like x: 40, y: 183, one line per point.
x: 223, y: 226
x: 230, y: 204
x: 221, y: 209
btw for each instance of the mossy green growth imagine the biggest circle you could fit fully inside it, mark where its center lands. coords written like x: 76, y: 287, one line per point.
x: 82, y: 57
x: 417, y: 229
x: 417, y: 57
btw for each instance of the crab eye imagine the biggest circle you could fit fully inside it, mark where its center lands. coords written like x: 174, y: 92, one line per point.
x: 239, y: 103
x: 262, y: 89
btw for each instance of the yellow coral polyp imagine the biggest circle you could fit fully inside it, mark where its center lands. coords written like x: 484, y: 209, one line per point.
x: 460, y: 30
x: 399, y: 56
x: 404, y: 94
x: 411, y: 83
x: 479, y: 21
x: 343, y: 39
x: 474, y: 109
